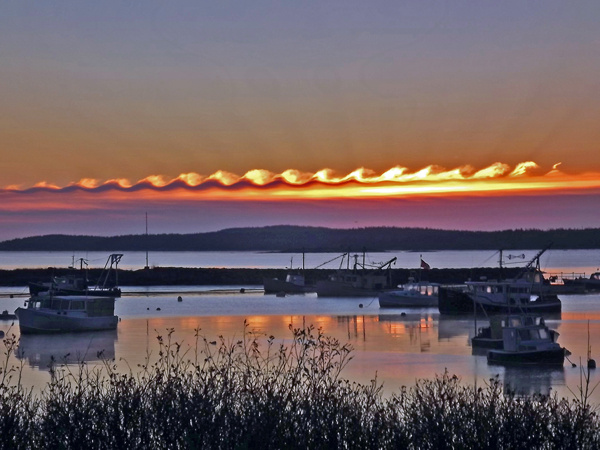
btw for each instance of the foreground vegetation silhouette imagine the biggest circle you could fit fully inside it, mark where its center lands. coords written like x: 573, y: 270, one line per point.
x: 256, y: 393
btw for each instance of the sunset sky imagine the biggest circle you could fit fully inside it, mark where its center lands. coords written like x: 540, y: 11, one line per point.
x: 210, y: 115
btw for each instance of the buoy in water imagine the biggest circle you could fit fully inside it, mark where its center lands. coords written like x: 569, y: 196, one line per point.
x: 158, y: 309
x: 360, y: 305
x: 1, y: 334
x: 179, y: 299
x: 242, y: 290
x: 591, y: 363
x: 403, y: 314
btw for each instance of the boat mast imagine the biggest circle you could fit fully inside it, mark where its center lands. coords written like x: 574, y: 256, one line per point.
x: 302, y: 261
x: 146, y: 242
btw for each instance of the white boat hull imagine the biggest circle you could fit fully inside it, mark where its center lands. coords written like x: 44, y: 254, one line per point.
x: 33, y: 321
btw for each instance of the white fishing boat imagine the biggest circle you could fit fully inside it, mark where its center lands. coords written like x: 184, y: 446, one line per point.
x: 59, y: 314
x: 413, y: 294
x: 528, y: 292
x: 522, y: 294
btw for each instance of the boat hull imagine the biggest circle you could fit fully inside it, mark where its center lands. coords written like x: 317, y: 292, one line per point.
x: 395, y: 300
x: 457, y: 301
x: 36, y: 322
x: 487, y: 343
x: 583, y: 284
x: 332, y: 289
x: 552, y: 357
x: 274, y: 286
x: 454, y: 300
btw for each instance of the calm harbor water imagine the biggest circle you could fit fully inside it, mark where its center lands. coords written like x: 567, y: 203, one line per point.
x: 397, y: 348
x: 396, y: 345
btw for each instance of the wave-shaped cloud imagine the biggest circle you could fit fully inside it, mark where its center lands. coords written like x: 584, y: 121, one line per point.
x: 291, y: 178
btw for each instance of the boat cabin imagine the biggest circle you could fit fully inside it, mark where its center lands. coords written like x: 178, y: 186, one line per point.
x: 74, y: 305
x: 425, y: 289
x: 295, y: 279
x: 513, y: 293
x: 69, y: 283
x: 526, y: 333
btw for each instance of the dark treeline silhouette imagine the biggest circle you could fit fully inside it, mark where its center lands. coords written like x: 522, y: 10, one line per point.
x: 318, y: 239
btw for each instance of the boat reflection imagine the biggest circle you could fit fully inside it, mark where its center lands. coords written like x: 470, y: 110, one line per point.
x: 40, y: 351
x: 529, y: 381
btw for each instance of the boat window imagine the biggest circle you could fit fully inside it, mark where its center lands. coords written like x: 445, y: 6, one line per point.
x: 544, y: 334
x: 35, y: 304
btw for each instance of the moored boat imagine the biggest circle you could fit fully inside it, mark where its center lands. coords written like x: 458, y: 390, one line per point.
x: 522, y: 294
x: 527, y: 341
x: 293, y: 284
x: 413, y: 294
x: 59, y: 314
x: 490, y: 337
x: 5, y: 315
x: 360, y: 281
x: 590, y: 284
x: 78, y: 284
x: 529, y: 292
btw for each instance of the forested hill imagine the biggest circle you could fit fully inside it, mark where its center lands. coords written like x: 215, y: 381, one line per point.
x: 315, y: 239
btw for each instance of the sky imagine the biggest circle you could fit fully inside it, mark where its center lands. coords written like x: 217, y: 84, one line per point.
x: 211, y: 115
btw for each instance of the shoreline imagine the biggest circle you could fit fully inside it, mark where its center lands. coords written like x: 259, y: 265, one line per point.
x: 188, y: 276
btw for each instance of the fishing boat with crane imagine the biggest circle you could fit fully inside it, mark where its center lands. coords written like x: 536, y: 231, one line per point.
x: 77, y: 283
x: 528, y: 292
x: 360, y: 280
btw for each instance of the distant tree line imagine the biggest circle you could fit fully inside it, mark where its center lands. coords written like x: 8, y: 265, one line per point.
x: 317, y: 239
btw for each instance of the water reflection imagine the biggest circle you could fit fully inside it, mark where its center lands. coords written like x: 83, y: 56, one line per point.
x: 529, y: 381
x: 399, y: 348
x: 39, y: 351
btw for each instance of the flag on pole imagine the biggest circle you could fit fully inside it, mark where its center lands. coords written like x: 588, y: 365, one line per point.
x: 424, y: 265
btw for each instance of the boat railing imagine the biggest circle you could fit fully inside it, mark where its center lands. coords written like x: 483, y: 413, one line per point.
x: 561, y: 276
